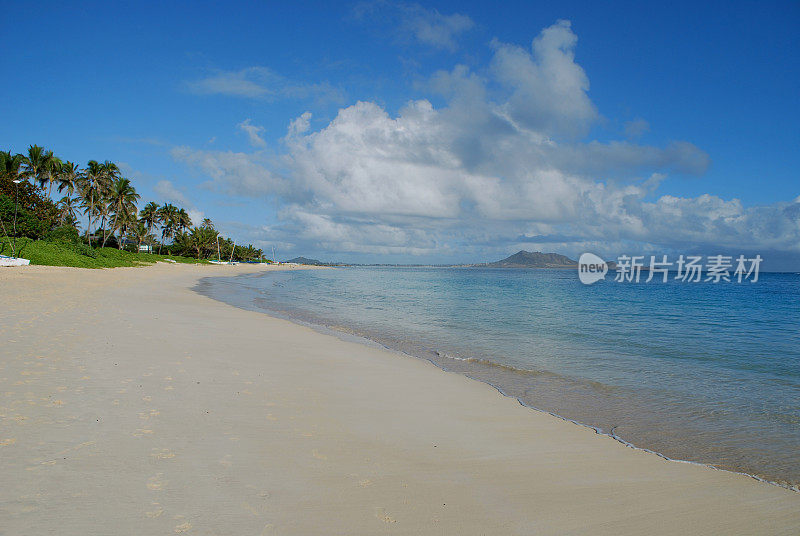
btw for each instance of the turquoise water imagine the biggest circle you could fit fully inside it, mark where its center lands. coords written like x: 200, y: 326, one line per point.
x: 701, y: 372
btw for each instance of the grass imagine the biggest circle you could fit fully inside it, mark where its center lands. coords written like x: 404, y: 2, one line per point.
x: 79, y: 255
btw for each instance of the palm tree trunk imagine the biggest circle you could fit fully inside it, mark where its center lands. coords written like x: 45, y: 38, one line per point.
x: 89, y: 226
x: 103, y: 227
x: 109, y: 234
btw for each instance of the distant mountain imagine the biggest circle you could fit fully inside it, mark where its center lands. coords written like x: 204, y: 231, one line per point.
x: 534, y: 259
x: 304, y: 260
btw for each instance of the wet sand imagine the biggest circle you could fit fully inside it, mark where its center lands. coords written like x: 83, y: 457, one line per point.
x: 130, y: 404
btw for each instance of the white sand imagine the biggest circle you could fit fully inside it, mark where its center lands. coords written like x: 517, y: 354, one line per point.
x: 131, y: 405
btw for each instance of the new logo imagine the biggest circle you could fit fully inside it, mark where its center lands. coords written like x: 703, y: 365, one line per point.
x: 591, y: 268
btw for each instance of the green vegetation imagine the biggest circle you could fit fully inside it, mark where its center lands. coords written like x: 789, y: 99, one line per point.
x: 37, y: 227
x: 57, y: 253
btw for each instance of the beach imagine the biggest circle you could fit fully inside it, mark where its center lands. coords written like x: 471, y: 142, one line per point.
x: 131, y: 404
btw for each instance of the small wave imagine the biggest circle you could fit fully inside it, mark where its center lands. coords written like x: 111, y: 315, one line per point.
x: 494, y: 364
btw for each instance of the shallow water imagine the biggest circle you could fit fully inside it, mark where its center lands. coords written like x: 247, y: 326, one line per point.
x: 702, y: 372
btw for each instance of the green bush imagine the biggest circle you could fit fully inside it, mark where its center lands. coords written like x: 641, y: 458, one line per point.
x: 65, y: 233
x: 28, y: 224
x: 83, y: 249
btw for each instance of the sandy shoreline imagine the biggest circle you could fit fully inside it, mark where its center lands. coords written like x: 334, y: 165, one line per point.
x: 131, y: 405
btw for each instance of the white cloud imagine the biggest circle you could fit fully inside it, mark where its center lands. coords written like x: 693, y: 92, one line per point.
x: 260, y: 82
x: 432, y: 28
x: 169, y: 192
x: 504, y: 163
x: 233, y: 173
x: 299, y: 125
x: 253, y: 133
x: 196, y: 216
x: 548, y: 89
x: 414, y: 23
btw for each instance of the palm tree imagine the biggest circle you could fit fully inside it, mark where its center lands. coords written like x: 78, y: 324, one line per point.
x: 183, y: 220
x: 94, y: 183
x: 111, y: 171
x: 201, y: 238
x: 149, y: 215
x: 90, y: 186
x: 67, y: 208
x: 51, y: 171
x: 68, y: 178
x: 139, y: 231
x: 124, y: 222
x: 167, y: 216
x: 34, y: 163
x: 122, y: 199
x: 207, y: 223
x: 11, y: 165
x: 103, y: 213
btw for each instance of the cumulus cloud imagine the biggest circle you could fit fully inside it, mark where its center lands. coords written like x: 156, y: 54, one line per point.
x: 548, y: 88
x: 414, y: 23
x: 504, y: 163
x: 260, y: 82
x: 196, y: 216
x: 253, y: 133
x: 168, y: 192
x: 234, y: 173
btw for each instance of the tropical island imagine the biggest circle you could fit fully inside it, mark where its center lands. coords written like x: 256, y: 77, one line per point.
x: 55, y: 212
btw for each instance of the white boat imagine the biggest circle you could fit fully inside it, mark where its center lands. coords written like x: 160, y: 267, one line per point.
x: 13, y: 261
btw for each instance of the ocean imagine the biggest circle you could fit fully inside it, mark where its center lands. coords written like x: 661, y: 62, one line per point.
x: 702, y: 372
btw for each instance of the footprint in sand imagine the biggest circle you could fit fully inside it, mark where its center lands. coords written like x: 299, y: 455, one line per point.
x: 156, y: 483
x: 246, y: 506
x: 183, y: 527
x: 317, y: 455
x: 145, y: 415
x: 162, y: 454
x: 381, y: 514
x: 155, y: 512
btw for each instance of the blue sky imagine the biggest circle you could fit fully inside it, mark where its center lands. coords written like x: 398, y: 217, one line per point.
x: 631, y: 128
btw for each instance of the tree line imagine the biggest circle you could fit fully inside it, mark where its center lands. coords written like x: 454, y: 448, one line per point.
x: 47, y: 195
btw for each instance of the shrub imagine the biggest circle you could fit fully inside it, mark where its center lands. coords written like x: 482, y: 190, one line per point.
x: 65, y: 233
x: 84, y: 249
x: 27, y: 223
